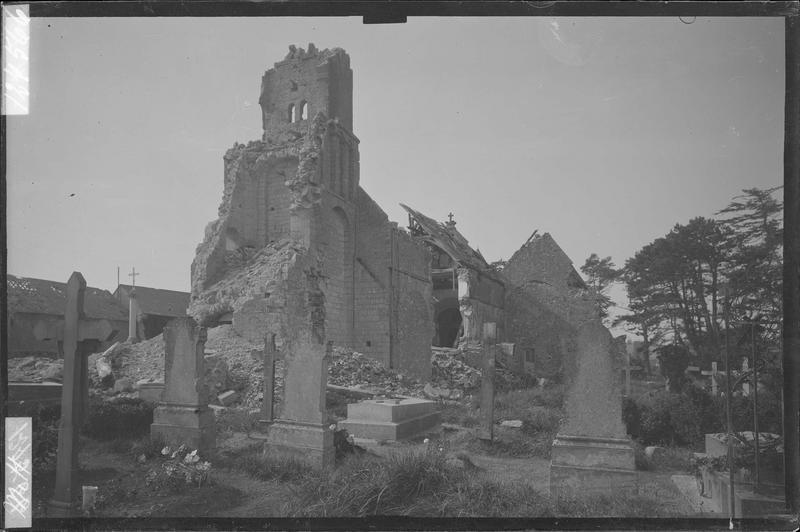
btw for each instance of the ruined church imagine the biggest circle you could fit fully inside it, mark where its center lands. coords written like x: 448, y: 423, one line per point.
x: 383, y: 290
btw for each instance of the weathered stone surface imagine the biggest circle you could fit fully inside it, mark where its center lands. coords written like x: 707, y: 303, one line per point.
x: 216, y: 373
x: 123, y: 385
x: 228, y: 398
x: 183, y: 416
x: 592, y: 451
x: 391, y: 419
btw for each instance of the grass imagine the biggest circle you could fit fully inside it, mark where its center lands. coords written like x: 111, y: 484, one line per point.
x: 254, y: 462
x: 412, y: 483
x: 230, y: 420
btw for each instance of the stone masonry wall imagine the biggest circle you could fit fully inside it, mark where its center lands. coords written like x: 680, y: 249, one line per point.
x: 411, y: 348
x: 371, y: 326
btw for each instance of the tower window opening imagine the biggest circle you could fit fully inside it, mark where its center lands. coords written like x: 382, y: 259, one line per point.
x: 292, y: 113
x: 304, y: 111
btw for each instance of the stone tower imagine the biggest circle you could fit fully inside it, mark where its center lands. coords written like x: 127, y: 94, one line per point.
x: 303, y: 84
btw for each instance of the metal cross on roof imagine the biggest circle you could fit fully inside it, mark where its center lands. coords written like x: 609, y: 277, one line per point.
x: 450, y: 216
x: 133, y: 274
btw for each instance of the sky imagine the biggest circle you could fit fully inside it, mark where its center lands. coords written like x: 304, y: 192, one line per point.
x: 604, y: 132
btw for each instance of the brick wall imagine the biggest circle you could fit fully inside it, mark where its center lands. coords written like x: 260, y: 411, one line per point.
x: 530, y: 325
x: 411, y: 348
x: 371, y: 327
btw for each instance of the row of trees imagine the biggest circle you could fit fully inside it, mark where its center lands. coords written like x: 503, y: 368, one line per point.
x: 679, y: 285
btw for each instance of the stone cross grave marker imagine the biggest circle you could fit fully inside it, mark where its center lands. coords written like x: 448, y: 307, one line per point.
x: 713, y: 374
x: 627, y: 368
x: 486, y: 431
x: 133, y: 309
x: 745, y: 384
x: 80, y: 338
x: 183, y: 416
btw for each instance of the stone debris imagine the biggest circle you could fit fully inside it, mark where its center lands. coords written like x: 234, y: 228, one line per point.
x: 123, y: 385
x: 228, y: 398
x: 512, y: 423
x: 216, y: 372
x: 350, y: 368
x: 35, y: 368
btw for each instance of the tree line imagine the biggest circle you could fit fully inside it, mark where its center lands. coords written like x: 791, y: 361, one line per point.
x: 680, y: 285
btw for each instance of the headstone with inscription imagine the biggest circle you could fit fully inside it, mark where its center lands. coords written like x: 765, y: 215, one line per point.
x: 183, y: 415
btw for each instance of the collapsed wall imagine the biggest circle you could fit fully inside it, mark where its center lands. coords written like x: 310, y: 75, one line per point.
x: 296, y: 192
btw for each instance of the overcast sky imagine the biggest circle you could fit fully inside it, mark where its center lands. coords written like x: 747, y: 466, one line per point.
x: 603, y: 132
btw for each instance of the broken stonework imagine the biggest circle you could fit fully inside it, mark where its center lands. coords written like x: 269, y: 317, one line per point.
x: 299, y: 427
x: 298, y: 189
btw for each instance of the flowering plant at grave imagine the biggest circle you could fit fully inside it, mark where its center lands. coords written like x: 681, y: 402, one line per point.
x: 180, y: 467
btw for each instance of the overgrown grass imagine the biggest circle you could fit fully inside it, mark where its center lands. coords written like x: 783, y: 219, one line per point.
x: 232, y: 420
x: 253, y: 461
x: 402, y: 484
x: 651, y: 500
x: 465, y: 415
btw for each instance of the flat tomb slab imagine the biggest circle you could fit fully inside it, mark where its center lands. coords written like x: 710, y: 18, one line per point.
x: 391, y: 419
x: 395, y: 410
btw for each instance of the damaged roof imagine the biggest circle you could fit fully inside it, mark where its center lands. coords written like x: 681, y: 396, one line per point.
x: 159, y: 302
x: 445, y: 237
x: 40, y: 296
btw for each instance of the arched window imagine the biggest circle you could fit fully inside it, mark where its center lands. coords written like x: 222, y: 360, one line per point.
x: 303, y: 111
x: 291, y: 114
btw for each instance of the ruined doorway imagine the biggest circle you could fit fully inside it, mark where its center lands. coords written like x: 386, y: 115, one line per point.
x: 448, y: 326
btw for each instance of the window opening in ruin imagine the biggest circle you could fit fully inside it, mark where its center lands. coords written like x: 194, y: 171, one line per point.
x: 369, y: 344
x: 448, y: 325
x: 303, y: 111
x: 530, y: 355
x: 291, y: 113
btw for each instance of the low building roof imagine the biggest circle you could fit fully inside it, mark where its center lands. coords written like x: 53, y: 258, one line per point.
x: 159, y: 302
x: 41, y: 296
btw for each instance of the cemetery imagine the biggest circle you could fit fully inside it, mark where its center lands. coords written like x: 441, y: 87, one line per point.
x: 331, y: 363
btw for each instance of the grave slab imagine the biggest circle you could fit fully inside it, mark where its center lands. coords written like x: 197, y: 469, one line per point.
x: 391, y: 419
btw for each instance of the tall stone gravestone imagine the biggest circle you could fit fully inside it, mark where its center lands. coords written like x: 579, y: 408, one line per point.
x: 592, y: 452
x: 486, y: 430
x: 299, y: 428
x: 80, y: 337
x: 183, y: 416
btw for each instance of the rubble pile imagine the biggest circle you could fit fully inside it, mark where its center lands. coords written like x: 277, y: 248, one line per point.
x: 451, y: 376
x: 350, y: 369
x: 35, y: 368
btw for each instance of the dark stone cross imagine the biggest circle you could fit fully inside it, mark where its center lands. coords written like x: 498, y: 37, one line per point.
x: 133, y: 275
x: 80, y: 338
x: 450, y: 217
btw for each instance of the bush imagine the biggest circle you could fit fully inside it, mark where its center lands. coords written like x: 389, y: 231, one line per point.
x: 44, y: 433
x: 122, y: 417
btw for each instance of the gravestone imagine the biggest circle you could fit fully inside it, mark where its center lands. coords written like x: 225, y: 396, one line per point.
x: 713, y: 374
x: 79, y: 338
x: 183, y: 416
x: 627, y: 368
x: 486, y: 428
x: 391, y: 419
x: 592, y: 452
x: 300, y: 427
